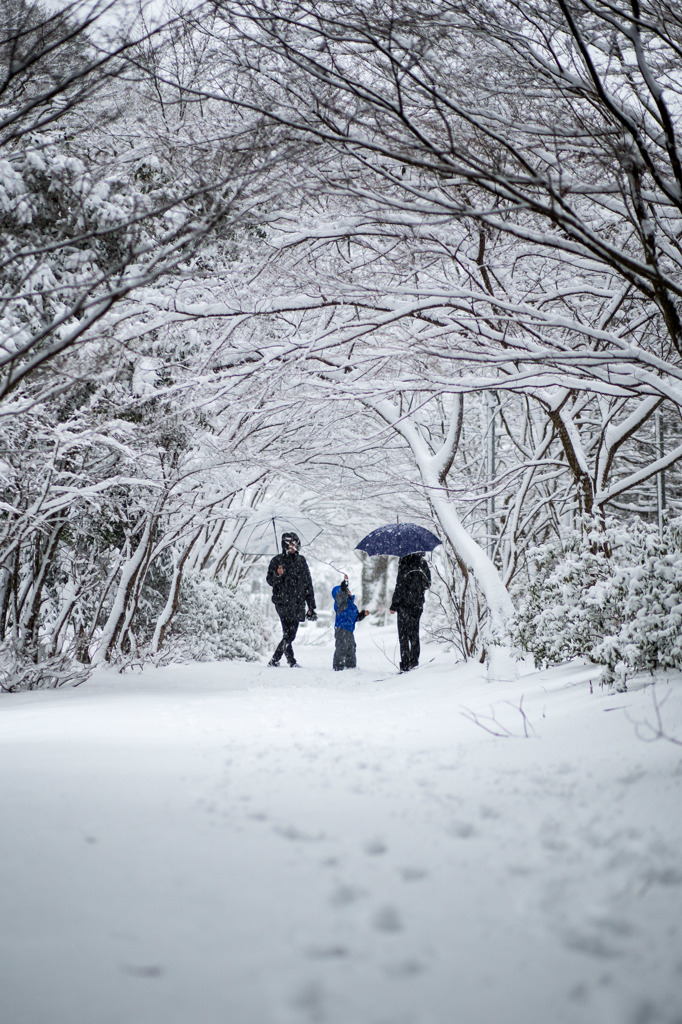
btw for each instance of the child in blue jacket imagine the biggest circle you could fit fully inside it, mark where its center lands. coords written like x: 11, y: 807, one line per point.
x: 347, y: 615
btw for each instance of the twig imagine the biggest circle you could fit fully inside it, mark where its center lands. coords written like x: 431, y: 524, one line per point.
x: 527, y: 724
x: 476, y: 719
x: 657, y: 731
x: 383, y: 651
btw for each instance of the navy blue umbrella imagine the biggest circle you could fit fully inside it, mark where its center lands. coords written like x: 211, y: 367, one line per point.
x: 398, y: 539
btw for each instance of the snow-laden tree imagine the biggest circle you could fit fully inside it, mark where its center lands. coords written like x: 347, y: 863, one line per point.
x: 554, y: 123
x: 470, y: 207
x: 391, y: 258
x: 104, y: 188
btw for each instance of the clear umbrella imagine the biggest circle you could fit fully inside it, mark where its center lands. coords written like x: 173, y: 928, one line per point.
x: 261, y: 530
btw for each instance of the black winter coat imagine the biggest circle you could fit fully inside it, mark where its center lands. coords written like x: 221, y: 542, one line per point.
x: 293, y: 589
x: 414, y: 577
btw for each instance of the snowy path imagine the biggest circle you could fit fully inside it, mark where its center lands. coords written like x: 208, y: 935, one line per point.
x: 232, y: 844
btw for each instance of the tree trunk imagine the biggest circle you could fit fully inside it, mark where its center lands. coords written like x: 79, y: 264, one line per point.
x: 165, y: 618
x: 125, y: 586
x: 466, y: 549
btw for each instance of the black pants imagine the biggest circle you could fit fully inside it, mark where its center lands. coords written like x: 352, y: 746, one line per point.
x: 344, y: 650
x: 408, y: 635
x: 289, y: 631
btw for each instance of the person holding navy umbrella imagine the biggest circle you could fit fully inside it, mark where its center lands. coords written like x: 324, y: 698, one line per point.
x: 414, y: 579
x: 409, y: 541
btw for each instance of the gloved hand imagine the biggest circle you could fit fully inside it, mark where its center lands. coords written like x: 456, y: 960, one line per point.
x: 344, y: 586
x: 311, y: 614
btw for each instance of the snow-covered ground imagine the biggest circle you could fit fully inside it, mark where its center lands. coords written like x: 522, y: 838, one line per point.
x: 235, y: 844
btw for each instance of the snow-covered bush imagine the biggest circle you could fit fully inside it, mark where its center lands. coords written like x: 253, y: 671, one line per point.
x: 612, y: 594
x: 213, y: 623
x: 20, y: 671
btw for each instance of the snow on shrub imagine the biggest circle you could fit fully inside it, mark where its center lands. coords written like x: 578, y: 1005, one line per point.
x: 213, y: 623
x: 612, y: 593
x: 20, y: 671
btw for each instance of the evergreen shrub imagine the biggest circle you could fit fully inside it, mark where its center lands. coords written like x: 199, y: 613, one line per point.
x: 213, y: 623
x: 610, y: 592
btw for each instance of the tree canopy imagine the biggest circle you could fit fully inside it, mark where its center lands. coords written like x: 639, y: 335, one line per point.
x: 370, y: 259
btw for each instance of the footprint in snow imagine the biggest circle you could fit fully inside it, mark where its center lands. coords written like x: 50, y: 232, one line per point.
x: 312, y: 1001
x: 461, y: 829
x: 614, y: 926
x: 387, y: 919
x: 375, y: 847
x: 646, y: 1012
x: 487, y: 812
x: 592, y: 944
x: 634, y: 776
x: 404, y: 968
x: 554, y: 844
x: 297, y: 835
x: 344, y: 895
x: 670, y: 875
x: 330, y: 952
x: 410, y: 874
x: 142, y: 970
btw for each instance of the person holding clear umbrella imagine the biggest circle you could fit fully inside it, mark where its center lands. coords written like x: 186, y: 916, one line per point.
x: 292, y: 589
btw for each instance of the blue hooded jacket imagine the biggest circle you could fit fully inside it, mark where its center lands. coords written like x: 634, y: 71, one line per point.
x: 347, y: 613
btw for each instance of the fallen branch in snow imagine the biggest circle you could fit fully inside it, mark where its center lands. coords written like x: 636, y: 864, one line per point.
x: 382, y: 648
x: 495, y: 726
x: 649, y: 733
x: 527, y: 724
x: 477, y: 720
